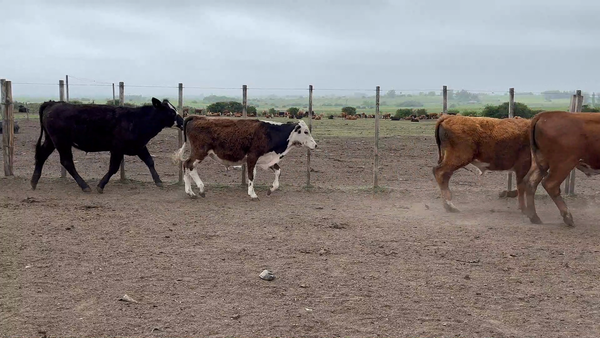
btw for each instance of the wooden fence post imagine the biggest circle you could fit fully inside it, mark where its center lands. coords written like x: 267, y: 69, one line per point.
x: 244, y: 115
x: 578, y: 103
x: 572, y: 107
x: 310, y: 115
x: 179, y: 132
x: 8, y: 136
x: 122, y: 103
x: 511, y: 114
x: 445, y: 100
x: 376, y: 155
x: 61, y: 97
x: 67, y: 86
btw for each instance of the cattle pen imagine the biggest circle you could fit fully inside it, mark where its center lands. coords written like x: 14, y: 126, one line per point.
x: 349, y: 260
x: 63, y: 90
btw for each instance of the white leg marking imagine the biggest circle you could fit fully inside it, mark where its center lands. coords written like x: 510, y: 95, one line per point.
x: 276, y: 181
x: 197, y: 180
x: 188, y: 183
x: 251, y: 186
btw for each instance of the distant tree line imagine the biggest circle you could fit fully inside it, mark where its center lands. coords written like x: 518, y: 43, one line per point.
x: 230, y: 106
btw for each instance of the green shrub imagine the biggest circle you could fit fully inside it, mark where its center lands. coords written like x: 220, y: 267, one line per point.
x: 403, y: 112
x: 501, y: 111
x: 587, y: 109
x: 349, y: 110
x: 469, y: 113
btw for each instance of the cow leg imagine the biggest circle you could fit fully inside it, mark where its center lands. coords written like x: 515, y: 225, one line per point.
x: 41, y: 155
x: 66, y: 159
x: 277, y: 170
x: 532, y: 180
x: 551, y: 184
x: 113, y: 167
x: 251, y: 163
x: 194, y: 175
x: 443, y: 172
x: 520, y: 173
x: 187, y: 180
x: 190, y: 172
x: 145, y: 156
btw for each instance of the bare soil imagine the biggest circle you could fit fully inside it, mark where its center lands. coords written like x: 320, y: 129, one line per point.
x: 348, y: 262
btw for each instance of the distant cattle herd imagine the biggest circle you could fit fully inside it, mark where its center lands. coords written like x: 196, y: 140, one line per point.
x: 540, y: 150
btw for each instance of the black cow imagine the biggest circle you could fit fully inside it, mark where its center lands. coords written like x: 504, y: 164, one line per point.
x: 94, y: 128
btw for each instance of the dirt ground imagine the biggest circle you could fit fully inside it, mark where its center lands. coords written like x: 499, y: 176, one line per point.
x: 348, y: 262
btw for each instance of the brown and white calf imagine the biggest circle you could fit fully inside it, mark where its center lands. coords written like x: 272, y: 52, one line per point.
x: 234, y: 142
x: 561, y: 142
x: 487, y: 143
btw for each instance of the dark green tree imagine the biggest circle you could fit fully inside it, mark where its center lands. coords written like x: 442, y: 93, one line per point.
x: 349, y: 110
x: 501, y: 111
x: 293, y: 111
x: 403, y: 112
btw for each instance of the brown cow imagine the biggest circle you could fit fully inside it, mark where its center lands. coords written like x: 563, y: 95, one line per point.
x: 487, y: 143
x: 234, y: 142
x: 560, y: 142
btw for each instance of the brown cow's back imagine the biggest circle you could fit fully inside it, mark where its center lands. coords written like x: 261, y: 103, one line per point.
x: 489, y: 140
x: 559, y: 136
x: 560, y: 142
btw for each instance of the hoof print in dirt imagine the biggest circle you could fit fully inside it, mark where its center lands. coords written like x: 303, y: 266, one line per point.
x: 266, y: 275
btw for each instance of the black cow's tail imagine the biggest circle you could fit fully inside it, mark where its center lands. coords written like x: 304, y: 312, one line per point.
x: 178, y: 156
x: 42, y: 129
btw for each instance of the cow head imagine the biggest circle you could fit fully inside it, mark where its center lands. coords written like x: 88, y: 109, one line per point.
x: 168, y: 113
x: 301, y: 136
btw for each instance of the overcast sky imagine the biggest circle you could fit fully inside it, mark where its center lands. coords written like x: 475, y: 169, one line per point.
x: 482, y: 45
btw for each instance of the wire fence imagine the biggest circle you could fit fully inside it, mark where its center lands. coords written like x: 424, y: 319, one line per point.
x: 77, y: 88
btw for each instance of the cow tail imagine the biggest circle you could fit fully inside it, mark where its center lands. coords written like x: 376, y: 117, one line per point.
x: 178, y: 156
x: 533, y: 143
x: 438, y: 140
x: 39, y: 142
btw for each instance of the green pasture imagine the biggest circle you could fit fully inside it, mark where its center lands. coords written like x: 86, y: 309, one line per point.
x: 339, y: 127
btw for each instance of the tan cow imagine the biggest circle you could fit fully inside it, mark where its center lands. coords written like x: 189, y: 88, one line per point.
x: 487, y: 143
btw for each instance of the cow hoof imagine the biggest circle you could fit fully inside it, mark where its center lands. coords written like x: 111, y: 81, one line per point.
x: 159, y: 184
x: 268, y: 192
x: 192, y: 195
x: 536, y: 219
x: 568, y: 219
x: 34, y: 181
x: 450, y: 207
x: 255, y: 199
x: 202, y: 194
x: 98, y: 189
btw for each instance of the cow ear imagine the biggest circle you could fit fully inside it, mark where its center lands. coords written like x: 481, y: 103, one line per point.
x: 156, y: 102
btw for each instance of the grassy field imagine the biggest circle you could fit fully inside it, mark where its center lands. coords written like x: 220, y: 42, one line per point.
x: 344, y: 128
x: 333, y: 104
x: 366, y: 128
x: 433, y: 104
